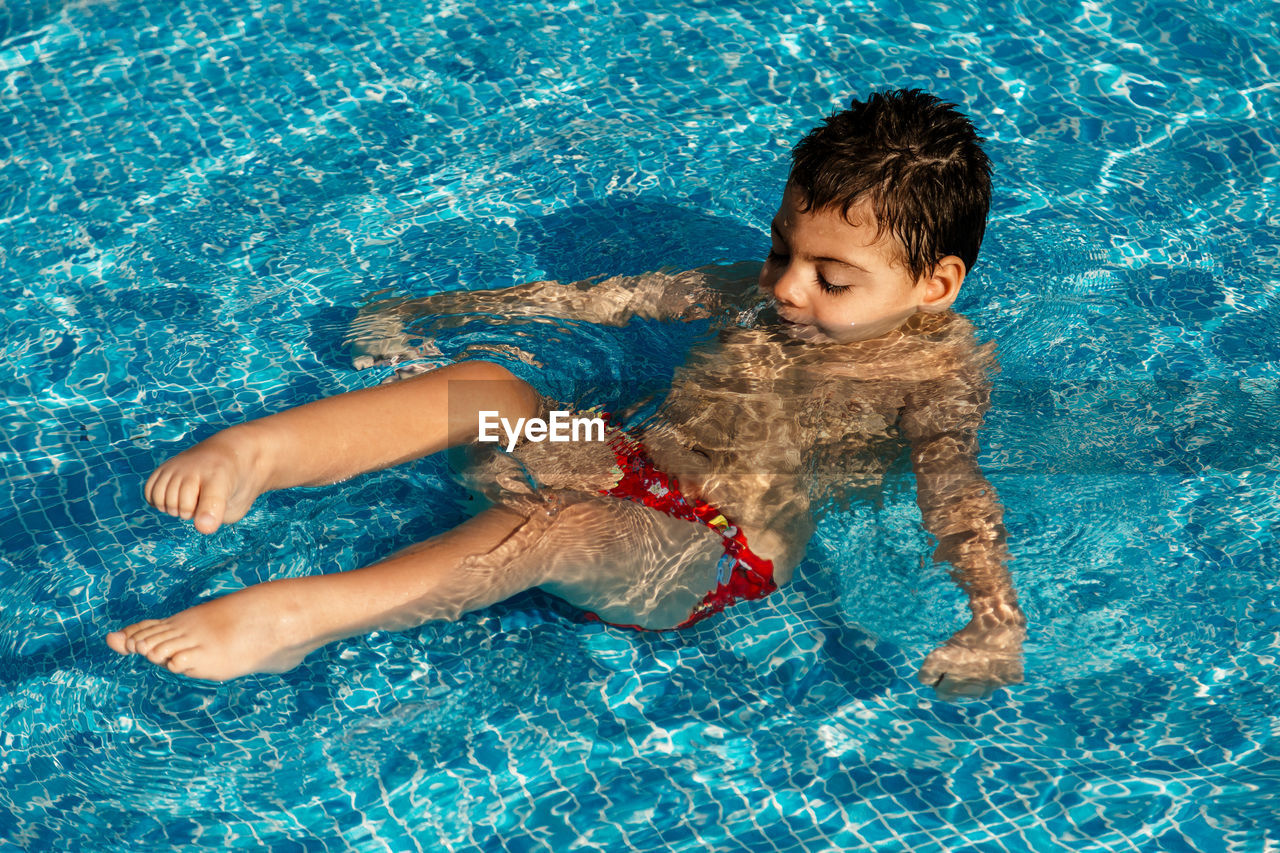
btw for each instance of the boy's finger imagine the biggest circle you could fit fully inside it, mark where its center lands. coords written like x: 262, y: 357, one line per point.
x: 968, y: 688
x: 929, y: 676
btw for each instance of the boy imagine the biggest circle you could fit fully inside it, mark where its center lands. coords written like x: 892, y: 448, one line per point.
x: 709, y: 503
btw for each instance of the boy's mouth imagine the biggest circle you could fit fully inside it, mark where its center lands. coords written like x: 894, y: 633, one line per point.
x: 799, y: 329
x: 802, y: 331
x: 784, y: 318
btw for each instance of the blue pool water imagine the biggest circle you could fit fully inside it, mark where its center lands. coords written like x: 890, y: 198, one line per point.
x: 195, y: 196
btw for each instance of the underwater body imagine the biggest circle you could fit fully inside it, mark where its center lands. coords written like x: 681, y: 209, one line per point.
x: 197, y: 197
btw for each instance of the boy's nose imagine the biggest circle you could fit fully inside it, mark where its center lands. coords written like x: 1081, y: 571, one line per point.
x: 788, y: 288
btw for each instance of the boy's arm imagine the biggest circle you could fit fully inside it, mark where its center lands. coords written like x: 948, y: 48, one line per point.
x: 963, y: 513
x: 379, y: 331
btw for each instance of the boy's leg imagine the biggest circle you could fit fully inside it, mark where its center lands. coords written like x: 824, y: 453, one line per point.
x: 215, y: 482
x: 626, y: 562
x: 270, y: 627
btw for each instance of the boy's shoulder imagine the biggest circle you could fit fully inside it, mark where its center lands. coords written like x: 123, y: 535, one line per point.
x: 951, y: 391
x: 927, y: 348
x: 945, y: 346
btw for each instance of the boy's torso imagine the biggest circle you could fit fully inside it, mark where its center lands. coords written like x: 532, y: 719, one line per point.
x: 757, y: 424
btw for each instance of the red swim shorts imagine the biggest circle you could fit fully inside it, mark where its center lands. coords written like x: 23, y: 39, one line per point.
x: 740, y: 575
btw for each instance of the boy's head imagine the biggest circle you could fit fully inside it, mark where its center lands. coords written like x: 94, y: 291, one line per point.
x: 915, y: 161
x: 882, y: 217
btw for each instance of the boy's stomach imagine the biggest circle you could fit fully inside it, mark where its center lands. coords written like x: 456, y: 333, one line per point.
x: 768, y: 501
x: 765, y: 494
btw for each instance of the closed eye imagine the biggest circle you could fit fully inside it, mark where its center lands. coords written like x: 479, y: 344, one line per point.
x: 828, y: 287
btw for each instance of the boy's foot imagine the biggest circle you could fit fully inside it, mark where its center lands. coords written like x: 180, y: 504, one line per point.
x: 977, y: 660
x: 264, y: 628
x: 213, y: 483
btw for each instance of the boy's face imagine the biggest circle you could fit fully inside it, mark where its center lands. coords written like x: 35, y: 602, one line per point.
x: 835, y: 280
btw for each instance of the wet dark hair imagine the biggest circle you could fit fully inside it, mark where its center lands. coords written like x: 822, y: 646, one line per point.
x: 916, y: 160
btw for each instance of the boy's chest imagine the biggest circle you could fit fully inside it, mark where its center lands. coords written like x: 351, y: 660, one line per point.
x: 795, y: 410
x: 850, y: 410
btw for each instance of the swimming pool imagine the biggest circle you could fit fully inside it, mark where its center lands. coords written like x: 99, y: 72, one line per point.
x: 194, y: 196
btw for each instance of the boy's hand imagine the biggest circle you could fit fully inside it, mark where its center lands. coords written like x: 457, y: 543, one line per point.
x: 377, y: 338
x: 978, y: 659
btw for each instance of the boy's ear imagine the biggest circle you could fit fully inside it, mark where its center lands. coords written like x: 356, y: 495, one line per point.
x: 942, y: 286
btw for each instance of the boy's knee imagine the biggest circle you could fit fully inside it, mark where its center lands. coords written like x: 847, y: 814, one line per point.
x: 487, y: 385
x: 491, y: 371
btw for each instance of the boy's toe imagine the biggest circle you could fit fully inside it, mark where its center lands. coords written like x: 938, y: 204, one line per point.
x: 116, y: 640
x: 183, y: 662
x: 147, y: 645
x: 163, y: 649
x: 179, y: 663
x: 173, y: 496
x: 144, y: 633
x: 207, y: 521
x: 156, y: 487
x: 211, y: 509
x: 188, y: 497
x: 130, y: 633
